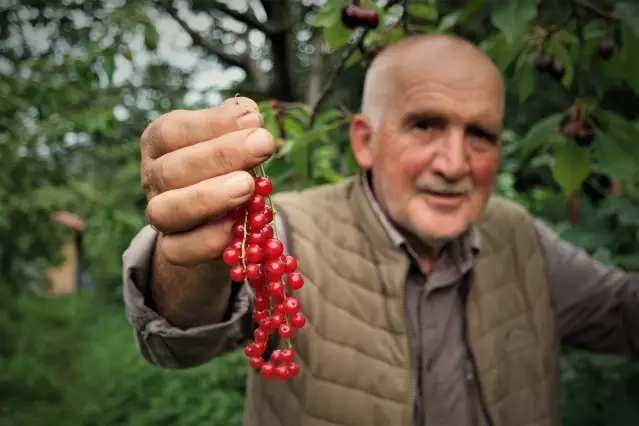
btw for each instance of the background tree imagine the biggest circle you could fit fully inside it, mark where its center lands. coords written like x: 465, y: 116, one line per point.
x: 80, y: 81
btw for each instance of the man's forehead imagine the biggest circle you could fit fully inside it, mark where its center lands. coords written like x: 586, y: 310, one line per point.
x: 479, y: 103
x: 440, y: 74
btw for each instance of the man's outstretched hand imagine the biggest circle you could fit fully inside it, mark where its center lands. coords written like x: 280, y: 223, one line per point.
x: 194, y: 171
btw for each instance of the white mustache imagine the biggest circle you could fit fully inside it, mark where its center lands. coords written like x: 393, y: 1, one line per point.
x: 439, y: 185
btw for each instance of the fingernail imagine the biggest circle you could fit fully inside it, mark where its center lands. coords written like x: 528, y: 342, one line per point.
x: 238, y: 184
x: 249, y: 120
x: 260, y: 143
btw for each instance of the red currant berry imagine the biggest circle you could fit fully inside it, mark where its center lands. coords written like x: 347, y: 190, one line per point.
x: 259, y: 287
x: 263, y: 186
x: 238, y: 213
x: 273, y: 270
x: 293, y: 369
x: 259, y: 314
x: 265, y: 324
x: 273, y: 249
x: 268, y: 232
x: 260, y: 291
x: 268, y: 213
x: 260, y: 302
x: 253, y: 253
x: 255, y: 204
x: 276, y: 356
x: 277, y: 319
x: 237, y: 273
x: 237, y: 244
x: 285, y: 331
x: 238, y: 229
x: 257, y: 221
x: 291, y: 306
x: 260, y: 335
x: 298, y: 320
x: 257, y: 238
x: 251, y: 350
x: 267, y: 370
x: 289, y: 262
x: 287, y: 355
x: 260, y: 347
x: 253, y: 271
x: 231, y: 256
x: 275, y: 288
x: 295, y: 281
x: 256, y: 362
x: 281, y: 371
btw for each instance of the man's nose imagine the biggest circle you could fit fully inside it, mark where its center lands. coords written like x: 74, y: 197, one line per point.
x: 451, y: 159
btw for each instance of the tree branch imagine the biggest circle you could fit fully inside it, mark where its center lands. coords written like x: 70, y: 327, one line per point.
x: 340, y: 67
x: 268, y: 29
x: 240, y: 61
x: 595, y: 10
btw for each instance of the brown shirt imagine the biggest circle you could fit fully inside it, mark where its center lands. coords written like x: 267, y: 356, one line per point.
x: 597, y: 307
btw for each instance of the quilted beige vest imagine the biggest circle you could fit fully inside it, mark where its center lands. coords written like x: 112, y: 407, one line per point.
x: 354, y: 351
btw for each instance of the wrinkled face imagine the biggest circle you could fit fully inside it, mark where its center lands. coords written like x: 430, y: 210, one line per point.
x: 435, y: 154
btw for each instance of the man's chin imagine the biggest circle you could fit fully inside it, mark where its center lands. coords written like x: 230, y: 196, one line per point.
x: 441, y: 230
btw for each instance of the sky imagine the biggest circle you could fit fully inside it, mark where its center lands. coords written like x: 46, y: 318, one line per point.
x: 175, y: 47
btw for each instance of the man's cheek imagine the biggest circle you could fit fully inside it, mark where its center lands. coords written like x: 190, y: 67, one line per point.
x: 485, y: 172
x: 413, y: 165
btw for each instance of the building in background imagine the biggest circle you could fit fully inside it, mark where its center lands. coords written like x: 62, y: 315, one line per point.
x: 69, y: 276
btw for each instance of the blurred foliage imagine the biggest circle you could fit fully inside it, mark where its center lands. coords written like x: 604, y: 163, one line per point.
x: 79, y: 81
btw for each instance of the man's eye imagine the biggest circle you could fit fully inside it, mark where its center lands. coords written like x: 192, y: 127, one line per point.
x: 482, y: 134
x: 428, y: 124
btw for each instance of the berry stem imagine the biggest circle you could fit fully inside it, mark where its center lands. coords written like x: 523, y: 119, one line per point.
x: 272, y: 206
x: 244, y: 240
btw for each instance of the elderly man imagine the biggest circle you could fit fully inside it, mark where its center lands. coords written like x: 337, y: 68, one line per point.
x: 429, y: 302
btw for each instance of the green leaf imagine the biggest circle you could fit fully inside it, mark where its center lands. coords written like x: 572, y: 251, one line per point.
x: 292, y: 127
x: 270, y: 121
x: 472, y: 7
x: 448, y: 22
x: 329, y: 15
x: 616, y: 147
x: 557, y: 49
x: 108, y: 64
x: 571, y: 167
x: 542, y: 133
x: 628, y: 13
x: 513, y: 17
x: 629, y: 56
x: 354, y: 59
x: 525, y: 76
x: 337, y: 35
x: 151, y: 36
x: 500, y: 50
x: 424, y: 11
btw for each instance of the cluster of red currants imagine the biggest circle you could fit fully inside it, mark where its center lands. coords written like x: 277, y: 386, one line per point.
x: 256, y: 255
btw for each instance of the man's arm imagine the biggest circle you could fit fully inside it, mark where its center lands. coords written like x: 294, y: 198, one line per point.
x: 159, y: 340
x: 597, y: 305
x: 202, y: 296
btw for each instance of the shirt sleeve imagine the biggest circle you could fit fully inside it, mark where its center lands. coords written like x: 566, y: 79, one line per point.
x: 158, y: 341
x: 597, y: 305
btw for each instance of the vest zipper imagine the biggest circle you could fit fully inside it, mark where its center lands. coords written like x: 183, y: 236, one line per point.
x: 472, y: 397
x: 474, y: 381
x: 472, y: 378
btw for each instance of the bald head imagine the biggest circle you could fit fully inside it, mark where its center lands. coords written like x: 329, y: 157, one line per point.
x: 438, y: 57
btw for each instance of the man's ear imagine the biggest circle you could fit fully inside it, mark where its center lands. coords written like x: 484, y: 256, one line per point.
x: 361, y: 135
